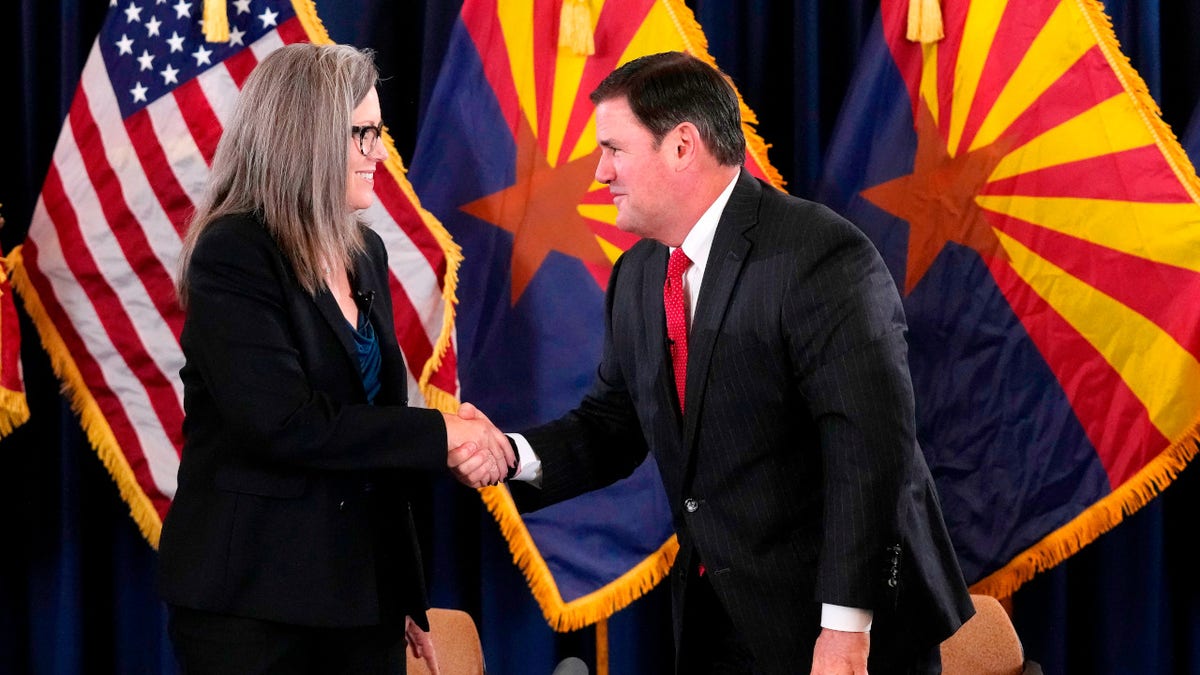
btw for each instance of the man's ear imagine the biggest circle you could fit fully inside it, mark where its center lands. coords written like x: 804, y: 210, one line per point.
x: 685, y: 143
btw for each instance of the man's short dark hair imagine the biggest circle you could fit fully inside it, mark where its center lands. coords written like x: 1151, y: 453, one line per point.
x: 667, y: 89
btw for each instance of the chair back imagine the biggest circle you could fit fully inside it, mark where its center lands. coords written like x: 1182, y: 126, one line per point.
x: 987, y: 644
x: 456, y: 641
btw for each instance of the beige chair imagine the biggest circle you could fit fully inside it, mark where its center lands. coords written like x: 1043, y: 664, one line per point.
x: 987, y: 644
x: 456, y: 640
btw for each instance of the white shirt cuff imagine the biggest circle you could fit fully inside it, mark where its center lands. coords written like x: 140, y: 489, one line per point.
x: 530, y: 469
x: 847, y: 619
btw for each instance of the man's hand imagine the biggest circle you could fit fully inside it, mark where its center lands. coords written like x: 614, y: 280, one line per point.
x: 473, y: 466
x: 468, y: 411
x: 478, y: 453
x: 841, y: 653
x: 421, y: 644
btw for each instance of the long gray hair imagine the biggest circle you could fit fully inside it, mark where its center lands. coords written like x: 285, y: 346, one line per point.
x: 282, y: 157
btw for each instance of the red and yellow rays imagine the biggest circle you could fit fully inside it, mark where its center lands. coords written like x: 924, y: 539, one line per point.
x: 1038, y: 147
x: 554, y: 204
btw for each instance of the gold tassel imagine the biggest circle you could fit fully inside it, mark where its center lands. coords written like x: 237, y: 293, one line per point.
x: 575, y: 28
x: 216, y: 21
x: 924, y: 21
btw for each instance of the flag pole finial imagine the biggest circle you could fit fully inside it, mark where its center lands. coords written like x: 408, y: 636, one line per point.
x: 216, y: 21
x: 924, y: 21
x: 575, y: 28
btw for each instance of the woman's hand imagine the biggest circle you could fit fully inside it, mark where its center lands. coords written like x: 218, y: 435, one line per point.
x: 421, y: 644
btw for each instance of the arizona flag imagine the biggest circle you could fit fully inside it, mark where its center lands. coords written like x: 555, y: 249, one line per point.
x: 98, y: 266
x: 1044, y: 227
x: 505, y: 158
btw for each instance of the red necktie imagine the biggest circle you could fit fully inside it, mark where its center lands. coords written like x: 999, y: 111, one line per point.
x: 677, y: 317
x: 677, y: 325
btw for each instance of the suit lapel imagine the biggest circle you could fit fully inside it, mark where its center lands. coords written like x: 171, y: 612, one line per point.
x: 725, y: 261
x: 379, y: 313
x: 333, y: 316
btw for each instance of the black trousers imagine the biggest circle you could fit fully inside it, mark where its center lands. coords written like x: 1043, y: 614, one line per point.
x: 711, y: 644
x: 208, y: 643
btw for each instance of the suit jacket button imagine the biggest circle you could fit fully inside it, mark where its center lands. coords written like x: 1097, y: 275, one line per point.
x: 690, y: 505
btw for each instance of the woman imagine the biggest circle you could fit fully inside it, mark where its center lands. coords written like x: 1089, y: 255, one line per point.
x: 290, y: 546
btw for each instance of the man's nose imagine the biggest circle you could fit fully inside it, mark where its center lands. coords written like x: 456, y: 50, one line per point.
x: 604, y: 172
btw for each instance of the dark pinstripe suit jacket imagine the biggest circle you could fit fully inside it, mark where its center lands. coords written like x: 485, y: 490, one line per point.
x: 795, y: 474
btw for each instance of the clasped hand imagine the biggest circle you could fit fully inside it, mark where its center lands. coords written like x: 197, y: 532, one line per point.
x: 478, y: 453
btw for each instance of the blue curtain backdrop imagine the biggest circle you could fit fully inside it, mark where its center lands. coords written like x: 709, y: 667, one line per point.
x: 76, y: 593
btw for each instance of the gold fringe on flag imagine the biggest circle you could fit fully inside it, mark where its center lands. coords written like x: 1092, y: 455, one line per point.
x: 924, y: 21
x: 1164, y: 138
x: 575, y: 28
x: 1093, y: 522
x: 696, y: 44
x: 435, y: 397
x: 14, y: 410
x: 306, y: 12
x: 216, y: 21
x: 75, y: 388
x: 593, y: 607
x: 14, y: 407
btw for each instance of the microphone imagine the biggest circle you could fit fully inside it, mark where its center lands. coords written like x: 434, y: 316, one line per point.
x: 364, y: 299
x: 571, y: 666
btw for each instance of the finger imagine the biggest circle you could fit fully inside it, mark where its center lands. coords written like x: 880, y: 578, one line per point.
x: 460, y: 454
x: 474, y: 464
x: 479, y: 481
x: 482, y: 476
x: 500, y: 468
x: 468, y: 411
x: 411, y: 636
x: 500, y: 445
x: 473, y: 411
x: 500, y: 450
x: 474, y: 472
x: 510, y: 456
x: 493, y: 474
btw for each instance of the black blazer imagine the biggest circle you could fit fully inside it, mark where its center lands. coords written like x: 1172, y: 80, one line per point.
x: 291, y: 503
x: 795, y: 474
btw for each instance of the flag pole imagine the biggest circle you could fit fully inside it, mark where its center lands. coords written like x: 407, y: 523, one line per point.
x: 602, y: 647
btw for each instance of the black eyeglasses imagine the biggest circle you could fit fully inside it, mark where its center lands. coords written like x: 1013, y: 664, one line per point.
x: 367, y: 135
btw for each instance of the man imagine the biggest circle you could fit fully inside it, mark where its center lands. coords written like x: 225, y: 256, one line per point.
x: 810, y: 533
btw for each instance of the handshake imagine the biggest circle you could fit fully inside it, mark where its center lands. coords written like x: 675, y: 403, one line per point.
x: 478, y: 453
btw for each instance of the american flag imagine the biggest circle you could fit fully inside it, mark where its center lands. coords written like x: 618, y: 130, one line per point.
x: 98, y: 266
